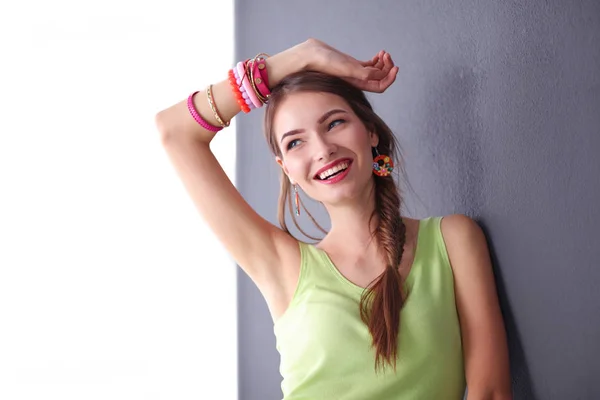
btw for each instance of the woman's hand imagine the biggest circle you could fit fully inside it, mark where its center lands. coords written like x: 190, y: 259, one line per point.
x: 374, y: 75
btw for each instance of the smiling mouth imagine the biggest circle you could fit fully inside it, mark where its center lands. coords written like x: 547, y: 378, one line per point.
x: 332, y: 172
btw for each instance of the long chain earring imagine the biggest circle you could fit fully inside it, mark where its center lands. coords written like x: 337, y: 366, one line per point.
x: 296, y: 200
x: 382, y: 164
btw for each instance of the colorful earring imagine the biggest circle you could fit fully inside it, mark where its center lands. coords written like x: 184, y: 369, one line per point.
x: 297, y: 200
x: 382, y: 164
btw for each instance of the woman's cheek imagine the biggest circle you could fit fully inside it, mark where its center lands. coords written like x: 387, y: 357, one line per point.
x: 294, y: 172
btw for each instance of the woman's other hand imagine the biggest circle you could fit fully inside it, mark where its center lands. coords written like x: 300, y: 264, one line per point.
x: 374, y: 75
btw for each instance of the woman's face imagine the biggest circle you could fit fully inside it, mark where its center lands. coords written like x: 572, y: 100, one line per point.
x: 325, y: 147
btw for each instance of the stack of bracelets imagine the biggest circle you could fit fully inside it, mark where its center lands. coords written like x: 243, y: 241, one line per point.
x: 250, y: 85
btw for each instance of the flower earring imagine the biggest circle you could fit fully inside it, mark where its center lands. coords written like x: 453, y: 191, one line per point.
x: 382, y: 164
x: 296, y: 200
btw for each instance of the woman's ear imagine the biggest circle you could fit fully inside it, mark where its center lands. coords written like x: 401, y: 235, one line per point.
x: 283, y: 168
x: 374, y: 138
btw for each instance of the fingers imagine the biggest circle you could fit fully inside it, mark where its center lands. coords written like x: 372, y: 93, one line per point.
x: 377, y: 74
x: 372, y: 61
x: 376, y: 61
x: 382, y: 66
x: 382, y: 85
x: 377, y: 85
x: 388, y: 64
x: 390, y: 78
x: 380, y: 59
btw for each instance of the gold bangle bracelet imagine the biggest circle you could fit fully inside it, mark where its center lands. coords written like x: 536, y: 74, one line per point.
x: 213, y: 107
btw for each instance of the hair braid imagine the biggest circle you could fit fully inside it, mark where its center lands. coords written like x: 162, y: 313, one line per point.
x: 381, y: 304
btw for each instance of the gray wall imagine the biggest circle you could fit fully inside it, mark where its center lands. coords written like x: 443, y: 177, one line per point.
x: 497, y: 108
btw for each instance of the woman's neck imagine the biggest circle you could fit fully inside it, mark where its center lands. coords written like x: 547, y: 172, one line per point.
x: 351, y: 224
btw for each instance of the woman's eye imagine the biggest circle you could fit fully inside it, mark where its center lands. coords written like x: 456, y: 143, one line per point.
x: 293, y: 144
x: 336, y: 122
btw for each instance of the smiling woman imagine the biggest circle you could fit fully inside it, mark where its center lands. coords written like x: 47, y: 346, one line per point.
x: 332, y: 136
x: 384, y: 306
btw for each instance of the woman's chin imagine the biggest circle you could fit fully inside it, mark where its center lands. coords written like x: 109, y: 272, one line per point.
x: 345, y: 192
x: 340, y: 197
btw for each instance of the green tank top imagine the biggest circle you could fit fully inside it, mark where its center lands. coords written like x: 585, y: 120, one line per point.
x: 325, y: 347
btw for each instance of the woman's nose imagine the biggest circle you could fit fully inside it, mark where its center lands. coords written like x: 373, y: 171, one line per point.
x: 324, y: 149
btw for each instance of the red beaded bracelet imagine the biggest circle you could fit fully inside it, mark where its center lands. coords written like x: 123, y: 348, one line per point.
x: 237, y: 93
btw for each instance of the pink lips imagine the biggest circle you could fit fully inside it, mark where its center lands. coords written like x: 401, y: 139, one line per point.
x: 338, y: 177
x: 331, y: 165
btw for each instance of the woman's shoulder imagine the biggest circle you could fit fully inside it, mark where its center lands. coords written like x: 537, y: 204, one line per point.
x: 448, y: 223
x: 456, y: 230
x: 458, y: 224
x: 462, y: 236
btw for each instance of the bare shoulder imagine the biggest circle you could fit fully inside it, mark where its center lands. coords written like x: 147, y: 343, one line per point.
x: 459, y: 224
x: 463, y: 237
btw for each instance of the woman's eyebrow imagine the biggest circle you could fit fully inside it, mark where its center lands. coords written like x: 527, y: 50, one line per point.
x: 320, y: 121
x: 330, y: 113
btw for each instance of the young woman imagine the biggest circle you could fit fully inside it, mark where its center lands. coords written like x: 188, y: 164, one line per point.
x: 384, y: 306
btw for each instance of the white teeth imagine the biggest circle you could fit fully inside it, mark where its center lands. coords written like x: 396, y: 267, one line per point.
x: 341, y: 166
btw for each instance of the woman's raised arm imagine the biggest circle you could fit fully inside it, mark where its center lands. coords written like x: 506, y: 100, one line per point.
x: 255, y: 244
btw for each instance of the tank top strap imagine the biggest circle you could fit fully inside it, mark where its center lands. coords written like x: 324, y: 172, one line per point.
x: 431, y: 273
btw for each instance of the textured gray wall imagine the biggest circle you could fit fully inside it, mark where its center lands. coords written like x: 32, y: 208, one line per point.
x: 497, y: 108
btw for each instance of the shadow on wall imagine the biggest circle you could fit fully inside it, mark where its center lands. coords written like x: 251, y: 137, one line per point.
x: 454, y: 133
x: 521, y: 379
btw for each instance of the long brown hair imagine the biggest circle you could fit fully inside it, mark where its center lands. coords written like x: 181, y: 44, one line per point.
x: 382, y: 301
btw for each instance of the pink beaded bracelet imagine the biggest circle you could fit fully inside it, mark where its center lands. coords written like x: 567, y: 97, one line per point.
x: 198, y: 118
x: 241, y: 67
x: 238, y: 80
